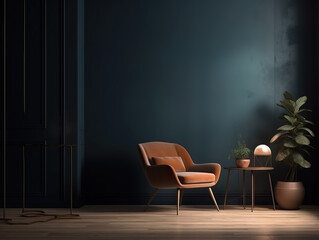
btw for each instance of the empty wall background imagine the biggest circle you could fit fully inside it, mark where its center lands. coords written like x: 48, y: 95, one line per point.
x: 198, y: 73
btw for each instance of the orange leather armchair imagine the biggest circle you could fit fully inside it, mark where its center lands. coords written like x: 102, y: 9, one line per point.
x: 169, y: 165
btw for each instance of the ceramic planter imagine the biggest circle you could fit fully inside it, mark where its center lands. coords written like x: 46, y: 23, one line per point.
x: 289, y: 195
x: 242, y: 162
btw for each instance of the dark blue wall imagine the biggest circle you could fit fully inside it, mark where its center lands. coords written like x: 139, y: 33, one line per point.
x: 198, y: 73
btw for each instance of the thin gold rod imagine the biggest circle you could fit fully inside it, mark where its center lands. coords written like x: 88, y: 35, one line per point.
x: 24, y: 179
x: 71, y: 215
x: 71, y: 180
x: 45, y: 61
x: 24, y: 57
x: 63, y: 70
x: 4, y: 108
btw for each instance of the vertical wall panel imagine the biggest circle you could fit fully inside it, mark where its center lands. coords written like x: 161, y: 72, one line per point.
x: 44, y: 120
x: 35, y: 81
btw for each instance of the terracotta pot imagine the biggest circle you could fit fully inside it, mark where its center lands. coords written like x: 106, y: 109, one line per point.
x: 289, y: 195
x: 242, y: 162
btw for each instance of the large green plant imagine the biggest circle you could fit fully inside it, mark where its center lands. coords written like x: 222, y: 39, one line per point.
x: 294, y: 136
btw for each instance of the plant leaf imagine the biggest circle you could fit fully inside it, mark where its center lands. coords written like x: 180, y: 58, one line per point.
x: 302, y: 140
x: 304, y: 110
x: 282, y: 154
x: 288, y: 95
x: 288, y: 105
x: 308, y: 130
x: 290, y: 119
x: 305, y: 150
x: 290, y: 143
x: 299, y: 159
x: 307, y: 121
x: 300, y: 101
x: 286, y: 128
x: 277, y: 136
x: 300, y: 118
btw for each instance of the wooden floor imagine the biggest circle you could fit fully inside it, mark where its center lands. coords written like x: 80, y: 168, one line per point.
x: 161, y: 222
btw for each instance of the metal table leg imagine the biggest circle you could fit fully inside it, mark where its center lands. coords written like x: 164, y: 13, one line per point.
x: 227, y: 184
x: 244, y: 189
x: 24, y: 212
x: 272, y: 193
x: 4, y: 219
x: 252, y: 191
x: 71, y: 214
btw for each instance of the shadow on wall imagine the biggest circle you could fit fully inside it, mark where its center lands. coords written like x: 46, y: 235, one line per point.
x: 115, y: 177
x: 257, y: 127
x: 263, y: 124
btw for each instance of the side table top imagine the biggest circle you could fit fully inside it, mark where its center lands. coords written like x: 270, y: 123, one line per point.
x: 251, y: 168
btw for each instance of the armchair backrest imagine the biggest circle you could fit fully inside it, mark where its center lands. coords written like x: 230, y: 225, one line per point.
x: 149, y: 150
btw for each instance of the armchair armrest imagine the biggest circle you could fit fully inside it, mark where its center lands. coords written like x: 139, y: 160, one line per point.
x: 207, y: 167
x: 162, y: 176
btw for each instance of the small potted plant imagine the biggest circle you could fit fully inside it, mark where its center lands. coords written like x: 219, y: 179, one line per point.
x: 241, y: 153
x: 293, y: 139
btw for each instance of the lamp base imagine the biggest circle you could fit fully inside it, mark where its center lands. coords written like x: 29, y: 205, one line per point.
x: 32, y: 213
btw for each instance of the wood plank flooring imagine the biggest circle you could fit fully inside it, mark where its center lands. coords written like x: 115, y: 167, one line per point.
x: 161, y: 222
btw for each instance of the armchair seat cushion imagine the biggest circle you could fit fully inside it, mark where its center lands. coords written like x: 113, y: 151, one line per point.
x: 195, y: 177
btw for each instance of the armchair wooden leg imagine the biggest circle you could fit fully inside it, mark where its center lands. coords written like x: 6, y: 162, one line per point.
x: 178, y: 199
x: 151, y: 198
x: 212, y: 195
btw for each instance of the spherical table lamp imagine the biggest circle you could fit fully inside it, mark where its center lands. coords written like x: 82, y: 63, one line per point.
x: 263, y: 151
